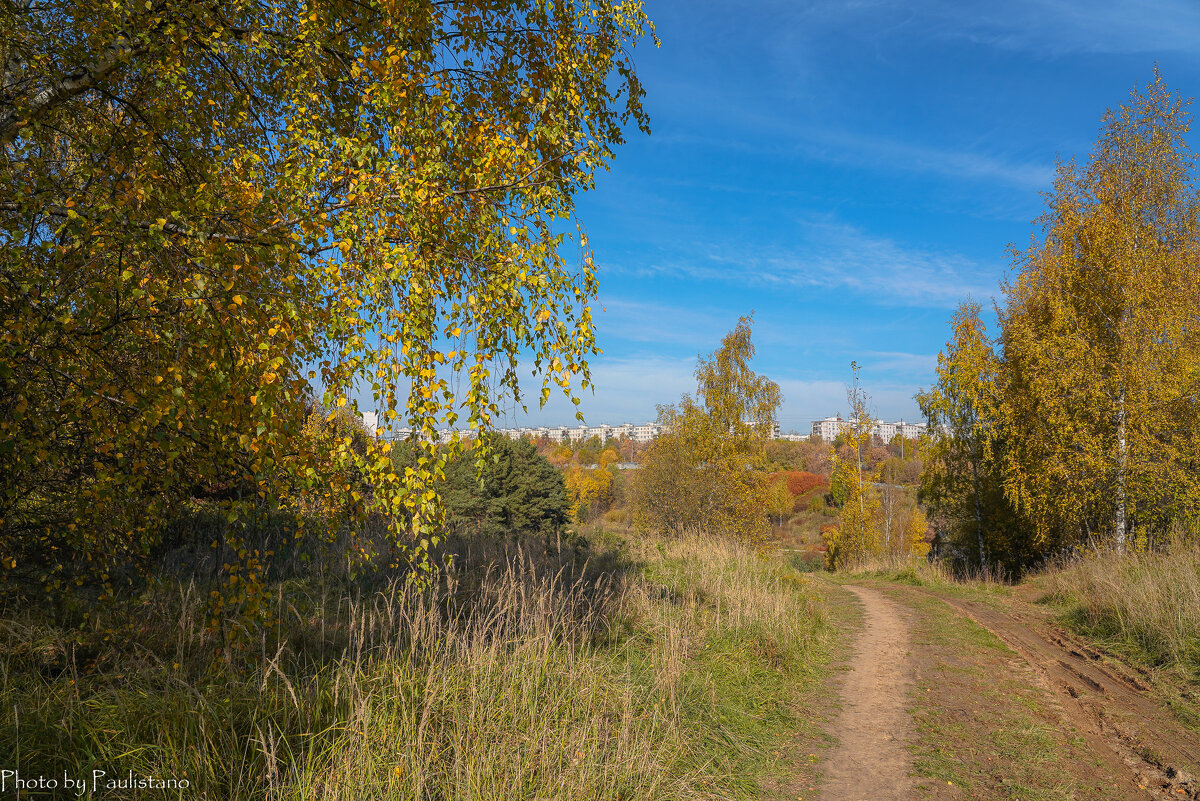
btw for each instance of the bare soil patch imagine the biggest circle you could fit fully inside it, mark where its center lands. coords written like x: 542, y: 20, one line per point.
x: 987, y: 726
x: 961, y: 694
x: 873, y: 729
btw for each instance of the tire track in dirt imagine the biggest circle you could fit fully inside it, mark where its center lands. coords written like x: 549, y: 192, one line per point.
x: 871, y: 760
x: 1108, y: 703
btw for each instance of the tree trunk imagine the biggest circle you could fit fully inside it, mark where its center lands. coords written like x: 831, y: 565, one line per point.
x: 1122, y: 466
x: 862, y: 512
x: 983, y: 559
x: 887, y: 522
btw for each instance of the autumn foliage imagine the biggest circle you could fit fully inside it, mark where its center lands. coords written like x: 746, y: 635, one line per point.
x: 1079, y: 424
x: 704, y: 472
x: 223, y: 218
x: 800, y: 482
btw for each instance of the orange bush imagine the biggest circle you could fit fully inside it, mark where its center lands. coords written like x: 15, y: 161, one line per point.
x: 800, y: 482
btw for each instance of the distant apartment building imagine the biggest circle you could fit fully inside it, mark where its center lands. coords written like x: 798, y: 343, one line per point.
x: 644, y: 432
x: 441, y: 435
x: 774, y: 432
x: 829, y: 428
x: 638, y: 432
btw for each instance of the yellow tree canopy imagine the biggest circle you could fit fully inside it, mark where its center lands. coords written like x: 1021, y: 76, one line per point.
x: 216, y: 214
x: 704, y: 472
x: 963, y: 413
x: 1101, y: 368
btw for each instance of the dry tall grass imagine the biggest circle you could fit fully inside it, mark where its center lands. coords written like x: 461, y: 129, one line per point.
x: 1150, y: 601
x: 670, y: 673
x: 921, y: 571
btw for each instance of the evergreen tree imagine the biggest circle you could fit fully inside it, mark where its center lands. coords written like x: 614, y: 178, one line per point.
x: 515, y: 491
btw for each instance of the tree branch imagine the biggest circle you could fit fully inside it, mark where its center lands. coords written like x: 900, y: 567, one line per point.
x: 74, y: 83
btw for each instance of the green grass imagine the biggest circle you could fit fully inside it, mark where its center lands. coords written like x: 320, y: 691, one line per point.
x: 635, y: 670
x: 986, y: 588
x: 807, y: 562
x: 1143, y: 608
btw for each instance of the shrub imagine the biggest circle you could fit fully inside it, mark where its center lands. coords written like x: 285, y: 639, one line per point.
x: 515, y: 492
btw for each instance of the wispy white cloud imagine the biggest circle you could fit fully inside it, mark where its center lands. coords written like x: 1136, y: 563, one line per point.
x: 830, y: 255
x: 657, y: 323
x: 905, y: 363
x: 1055, y: 27
x: 629, y: 390
x: 833, y: 144
x: 626, y: 390
x: 1049, y: 27
x: 805, y: 401
x: 880, y: 152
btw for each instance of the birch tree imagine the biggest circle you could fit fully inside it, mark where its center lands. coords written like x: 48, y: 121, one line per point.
x: 861, y: 423
x: 1100, y: 340
x: 213, y: 212
x: 857, y: 534
x: 962, y: 411
x: 706, y: 469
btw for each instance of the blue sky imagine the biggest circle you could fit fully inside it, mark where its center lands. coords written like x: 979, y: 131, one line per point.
x: 849, y: 171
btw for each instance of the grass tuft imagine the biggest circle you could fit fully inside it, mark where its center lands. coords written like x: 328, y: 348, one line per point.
x: 665, y: 669
x: 1146, y: 604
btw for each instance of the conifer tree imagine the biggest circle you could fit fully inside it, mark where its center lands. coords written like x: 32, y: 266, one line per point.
x: 516, y: 492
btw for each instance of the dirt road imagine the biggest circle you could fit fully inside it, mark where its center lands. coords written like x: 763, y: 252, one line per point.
x: 916, y: 672
x: 1141, y: 744
x: 871, y: 759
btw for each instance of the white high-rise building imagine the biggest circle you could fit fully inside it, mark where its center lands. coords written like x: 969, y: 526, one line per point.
x: 644, y: 432
x: 829, y: 428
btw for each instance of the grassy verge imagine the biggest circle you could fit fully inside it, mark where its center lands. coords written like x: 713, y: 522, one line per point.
x: 652, y: 669
x: 1141, y: 608
x: 1145, y: 605
x: 987, y: 588
x: 820, y: 701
